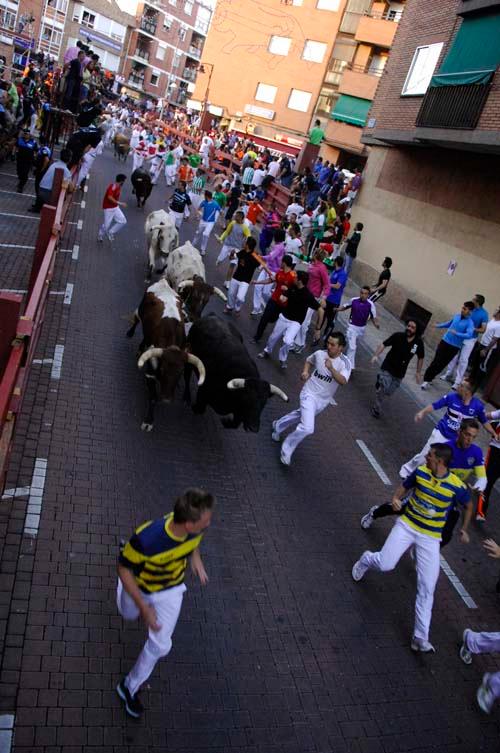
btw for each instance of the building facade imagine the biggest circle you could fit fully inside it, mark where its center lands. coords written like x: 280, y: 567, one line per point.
x: 164, y: 50
x: 357, y: 63
x: 264, y: 64
x: 20, y: 23
x: 431, y: 187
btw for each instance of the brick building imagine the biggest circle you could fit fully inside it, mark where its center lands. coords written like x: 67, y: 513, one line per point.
x: 20, y: 23
x: 431, y: 187
x: 164, y: 50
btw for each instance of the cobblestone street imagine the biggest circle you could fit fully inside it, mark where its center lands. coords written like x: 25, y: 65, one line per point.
x: 282, y: 652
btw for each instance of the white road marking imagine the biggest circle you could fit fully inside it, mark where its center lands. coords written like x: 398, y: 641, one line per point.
x: 29, y: 195
x: 83, y: 204
x: 76, y: 251
x: 57, y: 292
x: 18, y: 491
x: 65, y: 250
x: 42, y: 361
x: 6, y: 732
x: 34, y: 509
x: 85, y: 188
x: 12, y: 290
x: 79, y: 225
x: 457, y: 585
x: 57, y: 364
x: 68, y: 295
x: 373, y: 462
x: 23, y: 216
x: 14, y: 245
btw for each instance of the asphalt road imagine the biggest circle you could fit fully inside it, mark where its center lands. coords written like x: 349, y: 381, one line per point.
x: 282, y: 652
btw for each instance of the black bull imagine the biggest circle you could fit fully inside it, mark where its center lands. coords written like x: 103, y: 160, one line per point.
x: 232, y: 387
x: 141, y: 181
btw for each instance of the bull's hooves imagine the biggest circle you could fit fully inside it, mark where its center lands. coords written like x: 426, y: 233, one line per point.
x: 146, y: 427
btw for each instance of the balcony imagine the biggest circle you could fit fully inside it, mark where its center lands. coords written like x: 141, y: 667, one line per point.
x: 190, y: 74
x: 148, y: 25
x: 453, y: 106
x: 7, y: 19
x: 378, y: 31
x: 141, y: 55
x: 136, y: 81
x: 358, y: 81
x: 194, y: 52
x: 344, y: 136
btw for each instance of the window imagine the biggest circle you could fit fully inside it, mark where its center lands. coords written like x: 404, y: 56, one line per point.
x: 279, y: 45
x: 118, y: 31
x: 177, y: 59
x: 299, y: 100
x: 167, y: 21
x: 266, y: 93
x: 328, y: 4
x: 188, y: 7
x: 421, y: 69
x: 314, y: 51
x: 88, y: 19
x: 154, y: 79
x: 76, y: 15
x: 160, y: 51
x: 182, y: 33
x: 173, y: 2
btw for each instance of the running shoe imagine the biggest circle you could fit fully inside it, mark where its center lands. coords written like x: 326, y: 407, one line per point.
x: 425, y: 385
x: 367, y: 520
x: 275, y: 435
x: 358, y: 570
x: 480, y: 517
x: 284, y: 459
x: 484, y: 695
x: 418, y: 644
x: 132, y: 704
x: 465, y: 654
x: 263, y: 354
x: 283, y: 365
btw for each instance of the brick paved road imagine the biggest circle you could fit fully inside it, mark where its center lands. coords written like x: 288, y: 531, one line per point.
x: 282, y: 652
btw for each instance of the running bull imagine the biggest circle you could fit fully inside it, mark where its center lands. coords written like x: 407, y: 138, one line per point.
x: 185, y: 271
x: 161, y: 237
x: 163, y: 348
x: 141, y: 181
x: 232, y: 387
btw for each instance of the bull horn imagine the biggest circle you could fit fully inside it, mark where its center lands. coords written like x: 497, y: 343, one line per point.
x: 276, y: 391
x: 219, y: 292
x: 235, y: 384
x: 198, y: 364
x: 149, y: 353
x: 185, y: 284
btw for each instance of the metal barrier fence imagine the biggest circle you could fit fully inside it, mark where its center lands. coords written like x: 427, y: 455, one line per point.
x: 21, y: 324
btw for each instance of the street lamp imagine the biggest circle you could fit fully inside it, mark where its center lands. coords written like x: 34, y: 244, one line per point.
x: 205, y: 115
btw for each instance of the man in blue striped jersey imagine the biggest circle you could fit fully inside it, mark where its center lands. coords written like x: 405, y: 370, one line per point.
x: 435, y: 491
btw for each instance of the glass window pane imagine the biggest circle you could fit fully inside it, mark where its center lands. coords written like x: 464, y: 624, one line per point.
x: 266, y: 93
x: 314, y: 51
x: 299, y: 100
x: 279, y: 45
x: 421, y: 69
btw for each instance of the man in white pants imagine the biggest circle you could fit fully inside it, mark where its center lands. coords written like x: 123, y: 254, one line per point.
x: 151, y: 574
x: 436, y: 491
x: 362, y: 309
x: 479, y: 317
x: 484, y: 643
x: 323, y: 371
x: 114, y: 219
x: 298, y: 300
x: 208, y: 211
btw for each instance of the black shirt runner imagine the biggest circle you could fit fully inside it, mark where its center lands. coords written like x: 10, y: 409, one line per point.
x: 400, y: 354
x: 299, y: 300
x: 247, y: 264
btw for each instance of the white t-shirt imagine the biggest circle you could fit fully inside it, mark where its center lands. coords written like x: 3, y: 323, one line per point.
x: 321, y: 384
x: 293, y: 245
x: 492, y: 330
x: 305, y: 221
x: 297, y: 209
x: 274, y: 168
x: 258, y: 177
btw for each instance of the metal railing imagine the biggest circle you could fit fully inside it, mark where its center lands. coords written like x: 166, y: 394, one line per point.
x: 148, y: 26
x: 386, y: 15
x: 136, y: 80
x: 194, y: 51
x: 453, y: 106
x: 189, y: 74
x: 143, y: 54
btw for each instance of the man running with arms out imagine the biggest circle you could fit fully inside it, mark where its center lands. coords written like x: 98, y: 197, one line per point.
x: 151, y: 571
x: 114, y: 219
x: 323, y: 371
x: 435, y: 491
x: 459, y: 405
x: 362, y: 309
x: 403, y: 346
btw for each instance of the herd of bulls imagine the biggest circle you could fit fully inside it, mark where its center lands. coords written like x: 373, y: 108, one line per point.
x: 178, y: 340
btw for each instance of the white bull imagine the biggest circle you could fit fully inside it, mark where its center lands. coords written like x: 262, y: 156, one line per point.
x: 161, y: 237
x: 185, y: 272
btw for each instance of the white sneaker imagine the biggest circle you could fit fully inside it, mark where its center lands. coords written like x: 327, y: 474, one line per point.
x: 263, y: 354
x: 100, y: 239
x: 444, y: 377
x: 465, y: 653
x: 358, y: 570
x: 283, y: 365
x: 484, y: 695
x: 425, y: 385
x: 418, y: 644
x: 226, y: 285
x: 275, y: 435
x: 284, y: 459
x: 367, y: 520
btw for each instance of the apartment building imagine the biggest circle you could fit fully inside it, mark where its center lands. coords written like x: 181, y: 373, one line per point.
x: 431, y: 187
x: 20, y: 22
x: 264, y: 65
x: 165, y: 48
x: 101, y: 24
x: 357, y: 63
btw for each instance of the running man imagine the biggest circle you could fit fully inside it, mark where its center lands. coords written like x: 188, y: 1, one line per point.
x: 329, y: 369
x: 114, y: 219
x: 362, y: 309
x: 178, y: 204
x: 435, y: 491
x: 208, y: 211
x: 151, y: 572
x: 492, y: 467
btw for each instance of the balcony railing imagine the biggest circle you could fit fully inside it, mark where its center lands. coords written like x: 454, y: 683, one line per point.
x: 143, y: 54
x: 7, y: 20
x: 136, y: 80
x: 453, y: 106
x: 189, y: 74
x: 194, y: 52
x: 148, y: 26
x: 368, y: 68
x: 387, y: 15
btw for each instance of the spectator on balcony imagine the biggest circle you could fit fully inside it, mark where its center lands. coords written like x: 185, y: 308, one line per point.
x: 317, y: 134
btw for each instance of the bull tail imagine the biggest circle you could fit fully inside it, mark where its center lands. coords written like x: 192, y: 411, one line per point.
x: 134, y: 320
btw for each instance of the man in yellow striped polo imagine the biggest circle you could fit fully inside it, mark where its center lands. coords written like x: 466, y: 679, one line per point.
x: 151, y: 572
x: 435, y: 491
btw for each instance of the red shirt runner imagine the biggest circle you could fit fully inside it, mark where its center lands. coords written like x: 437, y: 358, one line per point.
x: 282, y: 279
x: 113, y: 190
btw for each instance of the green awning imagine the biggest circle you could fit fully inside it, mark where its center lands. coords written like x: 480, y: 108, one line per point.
x: 474, y: 54
x: 351, y: 109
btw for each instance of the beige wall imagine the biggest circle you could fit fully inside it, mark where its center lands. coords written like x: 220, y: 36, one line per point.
x: 237, y: 46
x: 422, y: 238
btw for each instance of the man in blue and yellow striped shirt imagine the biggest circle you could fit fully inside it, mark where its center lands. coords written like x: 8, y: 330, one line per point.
x: 435, y: 491
x: 151, y: 571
